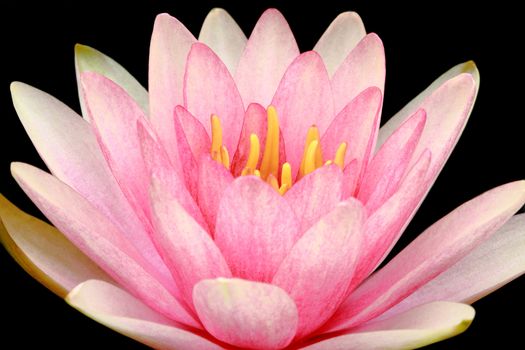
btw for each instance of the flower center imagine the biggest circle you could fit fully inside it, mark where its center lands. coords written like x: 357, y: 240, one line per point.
x: 268, y: 169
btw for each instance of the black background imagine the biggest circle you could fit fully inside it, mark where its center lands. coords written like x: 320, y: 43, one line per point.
x: 422, y: 40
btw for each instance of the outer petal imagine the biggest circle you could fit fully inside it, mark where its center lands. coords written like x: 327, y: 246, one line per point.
x: 316, y: 195
x: 246, y: 314
x: 44, y: 252
x: 386, y: 170
x: 69, y: 148
x: 88, y: 59
x: 188, y: 249
x: 339, y: 39
x: 214, y: 178
x: 218, y: 95
x: 350, y: 179
x: 319, y: 269
x: 362, y: 68
x: 434, y: 251
x: 98, y: 238
x: 394, y: 122
x: 120, y: 311
x: 303, y: 98
x: 416, y: 328
x: 169, y: 48
x: 357, y: 125
x: 256, y: 228
x: 384, y: 227
x: 220, y: 32
x: 193, y: 133
x: 496, y: 262
x: 269, y: 51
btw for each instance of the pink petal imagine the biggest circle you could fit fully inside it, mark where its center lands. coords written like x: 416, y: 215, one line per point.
x: 350, y: 179
x: 339, y: 39
x: 100, y: 240
x: 69, y: 148
x: 384, y: 227
x: 415, y: 328
x: 434, y: 251
x: 385, y: 172
x: 169, y: 47
x: 114, y: 117
x: 209, y: 89
x: 255, y: 229
x: 221, y: 34
x: 362, y: 68
x: 213, y: 180
x: 319, y: 269
x: 271, y: 48
x: 120, y: 311
x: 255, y: 122
x: 315, y: 195
x: 357, y: 125
x: 494, y: 263
x: 246, y: 314
x: 159, y: 168
x: 44, y: 252
x: 394, y: 122
x: 90, y: 59
x: 188, y: 249
x: 303, y: 98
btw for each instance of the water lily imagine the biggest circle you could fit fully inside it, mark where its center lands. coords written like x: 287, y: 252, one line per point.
x: 247, y: 199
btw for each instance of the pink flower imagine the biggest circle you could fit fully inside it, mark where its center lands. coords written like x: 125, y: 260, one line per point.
x: 260, y: 227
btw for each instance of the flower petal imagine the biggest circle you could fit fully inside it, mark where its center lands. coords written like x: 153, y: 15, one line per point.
x: 386, y: 170
x: 69, y: 148
x: 384, y: 227
x: 160, y: 169
x: 87, y: 59
x: 120, y: 311
x: 214, y: 178
x: 357, y: 125
x: 100, y: 240
x: 494, y: 263
x: 448, y: 105
x: 303, y: 98
x: 256, y: 228
x: 350, y: 179
x: 44, y: 252
x: 271, y: 48
x: 194, y: 133
x: 434, y: 251
x: 319, y: 268
x: 315, y: 195
x: 218, y: 95
x: 188, y: 249
x: 221, y: 34
x: 394, y: 122
x: 362, y: 68
x: 169, y: 48
x: 114, y: 117
x: 339, y: 39
x: 246, y: 314
x: 415, y: 328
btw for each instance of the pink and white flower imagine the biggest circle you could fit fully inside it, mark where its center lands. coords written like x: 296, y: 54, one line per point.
x: 247, y: 199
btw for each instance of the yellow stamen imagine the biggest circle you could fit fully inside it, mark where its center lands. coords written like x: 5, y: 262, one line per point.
x: 283, y: 189
x: 216, y: 138
x: 309, y: 160
x: 257, y: 173
x: 253, y: 156
x: 312, y: 135
x: 247, y: 171
x: 272, y: 180
x: 225, y: 157
x: 270, y: 161
x: 328, y: 162
x: 286, y: 175
x: 339, y: 158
